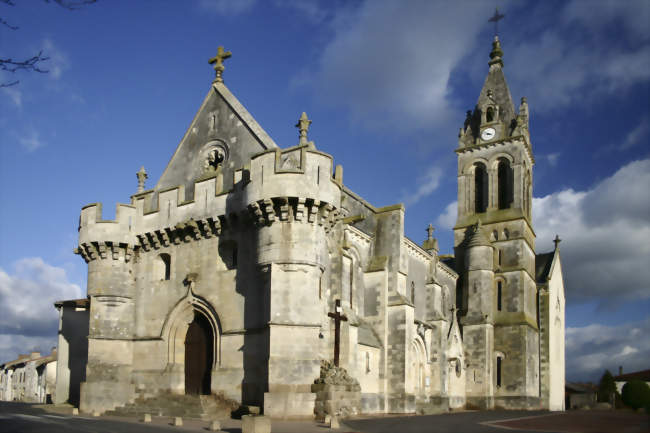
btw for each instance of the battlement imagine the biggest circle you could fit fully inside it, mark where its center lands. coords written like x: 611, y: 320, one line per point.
x: 93, y: 228
x: 298, y: 175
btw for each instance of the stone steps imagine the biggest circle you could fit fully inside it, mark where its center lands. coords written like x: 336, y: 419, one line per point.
x: 206, y: 407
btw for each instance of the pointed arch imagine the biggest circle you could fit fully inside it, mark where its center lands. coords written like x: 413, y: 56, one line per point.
x: 175, y: 328
x: 505, y: 183
x: 418, y: 366
x: 481, y: 188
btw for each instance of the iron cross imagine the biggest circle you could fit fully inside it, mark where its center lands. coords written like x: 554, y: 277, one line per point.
x: 218, y: 59
x: 338, y: 317
x: 495, y: 19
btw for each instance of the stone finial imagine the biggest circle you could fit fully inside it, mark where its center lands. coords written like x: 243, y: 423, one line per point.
x: 523, y: 108
x: 218, y: 60
x: 522, y: 116
x: 496, y: 53
x: 430, y: 243
x: 303, y: 126
x: 142, y: 177
x: 557, y: 241
x: 430, y: 231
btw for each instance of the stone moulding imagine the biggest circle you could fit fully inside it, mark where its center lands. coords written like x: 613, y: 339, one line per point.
x: 106, y: 249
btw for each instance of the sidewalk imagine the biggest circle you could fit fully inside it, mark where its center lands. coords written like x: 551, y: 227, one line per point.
x: 193, y: 424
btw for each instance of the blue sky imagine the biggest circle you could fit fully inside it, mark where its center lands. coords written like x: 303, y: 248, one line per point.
x: 386, y: 84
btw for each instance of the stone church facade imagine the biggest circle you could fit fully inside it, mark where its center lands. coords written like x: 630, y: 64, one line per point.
x: 224, y: 277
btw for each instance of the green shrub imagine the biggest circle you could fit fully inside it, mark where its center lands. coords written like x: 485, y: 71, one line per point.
x: 607, y: 388
x: 636, y: 394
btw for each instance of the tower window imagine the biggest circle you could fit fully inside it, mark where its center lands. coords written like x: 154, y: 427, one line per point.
x: 489, y: 117
x: 505, y: 174
x: 480, y: 188
x: 499, y: 294
x: 164, y: 266
x: 498, y: 372
x: 367, y: 362
x: 413, y: 292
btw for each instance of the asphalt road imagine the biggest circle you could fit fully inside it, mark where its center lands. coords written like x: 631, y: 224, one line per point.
x: 26, y: 418
x: 22, y: 418
x: 463, y: 422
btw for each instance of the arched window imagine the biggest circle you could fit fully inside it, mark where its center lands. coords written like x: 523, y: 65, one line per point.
x: 413, y: 292
x: 505, y: 174
x: 367, y: 362
x: 164, y: 266
x: 480, y: 188
x: 499, y: 294
x: 489, y: 117
x: 499, y: 360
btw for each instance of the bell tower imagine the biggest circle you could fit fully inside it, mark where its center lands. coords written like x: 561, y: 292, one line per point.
x: 498, y: 310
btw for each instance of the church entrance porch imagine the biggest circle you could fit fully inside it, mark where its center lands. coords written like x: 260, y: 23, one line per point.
x: 198, y: 356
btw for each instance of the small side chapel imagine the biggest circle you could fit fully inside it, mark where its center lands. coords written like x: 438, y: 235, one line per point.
x: 253, y: 272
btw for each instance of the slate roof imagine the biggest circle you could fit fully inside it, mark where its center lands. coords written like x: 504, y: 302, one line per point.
x: 543, y: 266
x: 580, y: 388
x: 637, y: 375
x: 449, y: 261
x: 85, y: 302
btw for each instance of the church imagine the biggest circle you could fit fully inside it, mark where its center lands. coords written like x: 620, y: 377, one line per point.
x: 252, y: 272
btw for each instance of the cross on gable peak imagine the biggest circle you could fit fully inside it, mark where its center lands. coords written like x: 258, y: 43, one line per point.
x: 218, y: 61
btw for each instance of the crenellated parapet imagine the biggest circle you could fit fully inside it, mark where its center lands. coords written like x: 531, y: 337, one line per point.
x: 291, y: 185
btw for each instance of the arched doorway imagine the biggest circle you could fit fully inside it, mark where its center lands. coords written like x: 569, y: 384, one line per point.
x: 198, y: 355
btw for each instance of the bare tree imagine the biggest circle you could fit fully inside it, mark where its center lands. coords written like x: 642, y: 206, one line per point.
x: 34, y: 63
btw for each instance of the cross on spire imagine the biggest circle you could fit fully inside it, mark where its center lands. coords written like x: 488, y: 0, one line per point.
x: 557, y: 241
x: 495, y: 19
x: 218, y: 59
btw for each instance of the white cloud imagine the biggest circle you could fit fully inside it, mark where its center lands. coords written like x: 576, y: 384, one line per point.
x: 552, y: 158
x: 636, y: 135
x: 227, y: 7
x: 31, y: 141
x: 390, y: 65
x: 447, y: 219
x: 427, y: 184
x: 606, y: 235
x: 577, y: 60
x: 592, y: 349
x: 27, y: 297
x: 58, y: 61
x: 13, y: 345
x: 15, y: 95
x: 311, y: 9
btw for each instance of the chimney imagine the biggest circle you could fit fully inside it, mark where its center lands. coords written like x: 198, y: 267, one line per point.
x: 620, y: 370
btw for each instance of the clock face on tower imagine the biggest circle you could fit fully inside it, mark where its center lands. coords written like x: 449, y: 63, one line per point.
x: 488, y: 134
